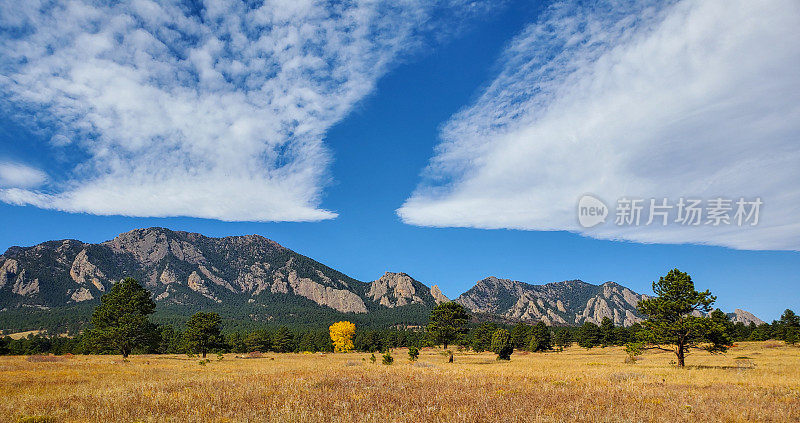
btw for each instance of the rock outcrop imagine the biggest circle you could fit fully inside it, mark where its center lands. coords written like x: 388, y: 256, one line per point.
x: 8, y: 271
x: 83, y: 271
x: 395, y: 289
x: 191, y: 270
x: 562, y: 303
x: 741, y: 316
x: 437, y: 295
x: 337, y: 299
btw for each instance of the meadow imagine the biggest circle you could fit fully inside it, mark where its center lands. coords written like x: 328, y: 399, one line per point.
x: 754, y: 381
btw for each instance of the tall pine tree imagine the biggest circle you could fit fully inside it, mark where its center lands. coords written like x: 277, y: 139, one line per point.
x: 120, y: 323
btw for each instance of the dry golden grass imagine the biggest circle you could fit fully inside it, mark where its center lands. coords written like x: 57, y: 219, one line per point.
x: 575, y: 385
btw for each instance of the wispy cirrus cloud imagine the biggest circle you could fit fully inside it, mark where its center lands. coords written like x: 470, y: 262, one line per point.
x: 215, y: 110
x: 625, y: 98
x: 18, y: 175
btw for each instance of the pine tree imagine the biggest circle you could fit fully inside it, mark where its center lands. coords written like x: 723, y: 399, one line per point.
x: 203, y: 333
x: 563, y: 338
x: 413, y: 353
x: 520, y: 335
x: 607, y: 337
x: 447, y: 322
x: 120, y: 323
x: 788, y: 327
x: 501, y: 344
x: 259, y: 340
x: 541, y: 339
x: 671, y: 319
x: 482, y: 337
x: 589, y: 335
x: 282, y: 340
x: 721, y: 329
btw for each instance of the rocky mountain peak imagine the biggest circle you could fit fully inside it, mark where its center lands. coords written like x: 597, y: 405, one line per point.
x: 395, y: 290
x: 264, y: 279
x: 561, y: 303
x: 438, y: 296
x: 184, y: 269
x: 745, y: 317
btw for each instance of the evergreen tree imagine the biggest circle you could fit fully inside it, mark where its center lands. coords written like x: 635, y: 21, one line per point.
x: 541, y: 339
x: 171, y: 341
x: 203, y: 332
x: 721, y: 328
x: 501, y: 344
x: 670, y: 319
x: 260, y: 340
x: 120, y: 323
x: 761, y: 332
x: 562, y: 338
x: 413, y: 353
x: 788, y: 327
x: 520, y: 335
x: 447, y: 322
x: 482, y: 337
x: 307, y: 342
x: 5, y: 341
x: 282, y: 340
x: 236, y: 342
x: 589, y: 335
x: 607, y: 337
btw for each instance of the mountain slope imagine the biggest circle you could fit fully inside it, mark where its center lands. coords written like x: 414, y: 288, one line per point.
x: 187, y: 271
x: 561, y: 303
x: 253, y: 279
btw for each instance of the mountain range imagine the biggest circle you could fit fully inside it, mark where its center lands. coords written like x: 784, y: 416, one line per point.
x: 253, y: 279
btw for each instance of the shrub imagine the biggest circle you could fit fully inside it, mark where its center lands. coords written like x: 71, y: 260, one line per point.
x: 387, y: 358
x: 633, y: 349
x: 413, y: 353
x: 501, y: 344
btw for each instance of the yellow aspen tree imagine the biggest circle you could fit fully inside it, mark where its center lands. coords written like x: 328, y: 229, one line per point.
x: 342, y: 336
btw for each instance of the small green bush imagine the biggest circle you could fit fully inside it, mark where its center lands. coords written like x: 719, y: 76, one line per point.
x: 413, y: 353
x: 501, y: 344
x: 387, y: 358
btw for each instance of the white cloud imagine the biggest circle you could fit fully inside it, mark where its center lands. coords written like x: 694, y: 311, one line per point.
x: 17, y: 175
x: 219, y: 114
x: 697, y: 98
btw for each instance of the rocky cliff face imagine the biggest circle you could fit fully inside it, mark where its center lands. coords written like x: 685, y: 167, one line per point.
x: 568, y: 303
x: 745, y: 317
x: 183, y: 269
x: 399, y: 289
x: 562, y: 303
x: 189, y: 271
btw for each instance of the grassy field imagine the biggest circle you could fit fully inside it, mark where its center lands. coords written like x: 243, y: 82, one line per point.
x: 753, y: 382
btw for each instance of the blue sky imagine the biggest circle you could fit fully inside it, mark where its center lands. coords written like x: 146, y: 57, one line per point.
x: 397, y: 130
